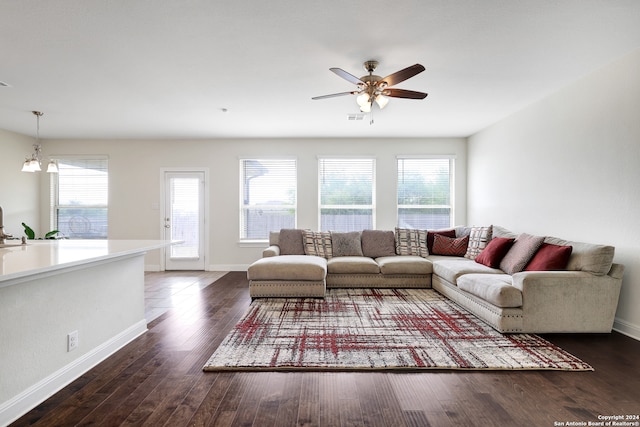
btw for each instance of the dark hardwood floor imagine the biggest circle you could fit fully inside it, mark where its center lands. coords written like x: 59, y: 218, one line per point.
x: 158, y: 380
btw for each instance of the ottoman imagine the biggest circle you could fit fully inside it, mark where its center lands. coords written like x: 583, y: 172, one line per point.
x: 288, y: 276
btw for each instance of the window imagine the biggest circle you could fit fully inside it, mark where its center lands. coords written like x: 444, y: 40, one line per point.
x: 268, y: 197
x: 347, y: 194
x: 80, y: 197
x: 424, y: 192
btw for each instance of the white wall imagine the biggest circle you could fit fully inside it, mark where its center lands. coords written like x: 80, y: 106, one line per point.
x: 569, y: 166
x: 19, y: 191
x: 135, y: 165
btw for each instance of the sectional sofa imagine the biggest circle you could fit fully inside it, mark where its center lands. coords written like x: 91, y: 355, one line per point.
x: 514, y: 282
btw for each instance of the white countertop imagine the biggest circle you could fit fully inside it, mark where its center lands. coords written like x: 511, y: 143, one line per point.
x: 44, y: 256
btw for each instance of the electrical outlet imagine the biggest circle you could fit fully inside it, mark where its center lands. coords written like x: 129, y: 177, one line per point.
x: 72, y: 341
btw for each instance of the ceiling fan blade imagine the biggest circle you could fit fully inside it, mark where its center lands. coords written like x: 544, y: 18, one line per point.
x: 347, y: 76
x: 402, y: 93
x: 333, y: 95
x: 402, y: 75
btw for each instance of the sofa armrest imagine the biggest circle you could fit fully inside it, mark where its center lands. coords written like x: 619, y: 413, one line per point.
x: 564, y: 301
x: 531, y: 281
x: 273, y: 250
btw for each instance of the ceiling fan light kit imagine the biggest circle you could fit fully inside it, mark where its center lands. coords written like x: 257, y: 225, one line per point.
x: 372, y: 88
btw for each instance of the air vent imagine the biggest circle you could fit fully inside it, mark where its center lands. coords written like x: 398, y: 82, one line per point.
x: 355, y: 116
x: 3, y: 84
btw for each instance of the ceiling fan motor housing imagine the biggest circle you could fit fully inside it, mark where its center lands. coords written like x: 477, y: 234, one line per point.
x: 373, y: 82
x: 370, y: 66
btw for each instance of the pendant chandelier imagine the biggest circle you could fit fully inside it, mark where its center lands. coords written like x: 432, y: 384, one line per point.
x: 33, y: 163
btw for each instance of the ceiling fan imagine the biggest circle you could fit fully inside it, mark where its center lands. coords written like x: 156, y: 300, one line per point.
x: 375, y: 88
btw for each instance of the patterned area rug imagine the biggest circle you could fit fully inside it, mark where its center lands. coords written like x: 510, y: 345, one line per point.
x: 377, y: 329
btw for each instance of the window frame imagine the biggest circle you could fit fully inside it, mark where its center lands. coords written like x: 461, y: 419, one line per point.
x: 372, y: 206
x: 451, y: 206
x: 243, y: 238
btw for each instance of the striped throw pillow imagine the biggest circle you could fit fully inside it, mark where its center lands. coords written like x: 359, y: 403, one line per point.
x: 478, y: 240
x: 411, y: 241
x: 318, y: 243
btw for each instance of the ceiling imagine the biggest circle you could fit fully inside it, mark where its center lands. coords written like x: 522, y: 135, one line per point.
x: 245, y: 69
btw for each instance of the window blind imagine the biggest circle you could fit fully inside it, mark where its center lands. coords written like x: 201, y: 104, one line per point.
x: 268, y: 196
x: 82, y: 198
x: 424, y: 192
x: 347, y: 194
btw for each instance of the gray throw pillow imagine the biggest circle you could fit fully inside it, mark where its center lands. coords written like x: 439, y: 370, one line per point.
x: 291, y: 242
x: 346, y: 244
x: 377, y: 243
x: 521, y: 252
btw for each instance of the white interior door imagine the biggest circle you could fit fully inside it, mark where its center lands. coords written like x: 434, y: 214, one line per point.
x: 184, y: 215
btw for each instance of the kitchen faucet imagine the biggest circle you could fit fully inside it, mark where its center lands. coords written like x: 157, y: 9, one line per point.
x: 3, y: 236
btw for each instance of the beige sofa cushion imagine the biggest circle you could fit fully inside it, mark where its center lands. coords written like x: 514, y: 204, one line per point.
x: 450, y: 269
x: 274, y: 238
x: 288, y: 267
x: 272, y: 250
x: 405, y: 264
x: 493, y: 288
x: 291, y: 241
x: 499, y: 231
x: 352, y: 265
x: 377, y: 243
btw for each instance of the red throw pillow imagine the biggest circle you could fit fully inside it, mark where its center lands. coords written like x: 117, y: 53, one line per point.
x: 550, y: 257
x: 443, y: 245
x: 431, y: 234
x: 495, y: 250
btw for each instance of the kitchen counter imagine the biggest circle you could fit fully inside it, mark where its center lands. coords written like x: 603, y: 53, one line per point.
x: 41, y: 257
x: 53, y: 290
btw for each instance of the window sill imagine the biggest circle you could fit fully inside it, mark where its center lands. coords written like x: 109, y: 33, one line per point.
x: 253, y: 243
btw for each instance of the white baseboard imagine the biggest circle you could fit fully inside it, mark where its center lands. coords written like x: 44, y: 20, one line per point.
x: 228, y: 267
x: 151, y: 267
x: 211, y: 267
x: 19, y: 405
x: 626, y: 328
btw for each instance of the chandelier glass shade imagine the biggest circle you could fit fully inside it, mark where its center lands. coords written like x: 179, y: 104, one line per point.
x: 33, y: 162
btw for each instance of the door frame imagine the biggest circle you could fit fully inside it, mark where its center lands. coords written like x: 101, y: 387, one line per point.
x: 163, y: 212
